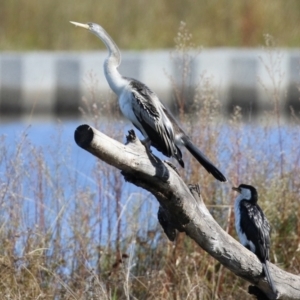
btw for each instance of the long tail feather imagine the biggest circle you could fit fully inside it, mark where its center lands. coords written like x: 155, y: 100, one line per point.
x: 204, y: 161
x: 269, y: 278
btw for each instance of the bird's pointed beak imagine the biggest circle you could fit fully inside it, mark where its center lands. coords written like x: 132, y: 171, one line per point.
x: 86, y: 26
x: 236, y: 189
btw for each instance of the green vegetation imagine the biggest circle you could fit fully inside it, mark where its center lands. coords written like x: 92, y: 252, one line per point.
x: 43, y: 25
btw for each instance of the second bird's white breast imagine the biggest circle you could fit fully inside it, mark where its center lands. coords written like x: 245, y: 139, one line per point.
x: 241, y: 234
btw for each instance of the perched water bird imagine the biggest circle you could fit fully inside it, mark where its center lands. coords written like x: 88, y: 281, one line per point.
x: 144, y: 109
x: 252, y: 226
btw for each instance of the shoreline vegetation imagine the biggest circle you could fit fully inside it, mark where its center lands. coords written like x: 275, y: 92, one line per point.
x: 44, y: 25
x: 52, y: 240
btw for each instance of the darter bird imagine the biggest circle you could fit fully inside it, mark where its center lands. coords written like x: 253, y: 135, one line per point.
x: 144, y: 109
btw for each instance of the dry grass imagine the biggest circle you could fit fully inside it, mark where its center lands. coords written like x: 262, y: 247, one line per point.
x: 64, y: 238
x: 140, y: 25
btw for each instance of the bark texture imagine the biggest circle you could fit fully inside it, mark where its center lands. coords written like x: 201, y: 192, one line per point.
x: 186, y: 210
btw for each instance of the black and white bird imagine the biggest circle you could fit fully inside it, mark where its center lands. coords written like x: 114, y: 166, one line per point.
x: 144, y: 109
x: 252, y: 226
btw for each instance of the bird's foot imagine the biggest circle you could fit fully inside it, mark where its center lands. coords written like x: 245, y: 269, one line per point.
x: 131, y: 137
x: 172, y: 166
x: 147, y: 143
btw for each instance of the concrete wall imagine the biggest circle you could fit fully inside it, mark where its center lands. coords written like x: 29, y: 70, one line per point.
x: 53, y: 83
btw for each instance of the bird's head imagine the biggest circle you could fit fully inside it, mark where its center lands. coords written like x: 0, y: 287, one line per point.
x: 114, y: 58
x: 93, y: 27
x: 248, y: 192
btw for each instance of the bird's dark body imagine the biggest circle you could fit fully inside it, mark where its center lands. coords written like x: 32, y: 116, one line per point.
x: 256, y: 228
x: 161, y: 138
x: 146, y: 93
x: 165, y: 135
x: 253, y: 227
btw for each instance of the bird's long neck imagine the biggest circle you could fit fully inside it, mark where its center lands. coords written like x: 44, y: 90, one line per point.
x: 115, y: 80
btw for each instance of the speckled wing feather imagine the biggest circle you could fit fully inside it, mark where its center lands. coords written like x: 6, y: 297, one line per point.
x: 194, y: 150
x: 149, y: 112
x: 255, y: 224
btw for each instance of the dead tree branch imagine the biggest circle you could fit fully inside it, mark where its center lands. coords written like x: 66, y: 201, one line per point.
x: 186, y: 209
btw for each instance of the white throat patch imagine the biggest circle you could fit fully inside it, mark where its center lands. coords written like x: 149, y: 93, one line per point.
x: 245, y: 194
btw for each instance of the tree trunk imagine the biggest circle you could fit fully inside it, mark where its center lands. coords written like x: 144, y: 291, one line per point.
x: 184, y: 210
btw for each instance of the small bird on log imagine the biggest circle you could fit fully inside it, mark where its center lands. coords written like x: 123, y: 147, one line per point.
x: 252, y: 226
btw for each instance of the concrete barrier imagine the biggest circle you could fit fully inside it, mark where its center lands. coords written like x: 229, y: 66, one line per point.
x: 53, y: 83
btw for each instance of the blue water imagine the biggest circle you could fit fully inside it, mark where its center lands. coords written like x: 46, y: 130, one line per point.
x: 48, y: 181
x: 56, y: 143
x: 68, y: 173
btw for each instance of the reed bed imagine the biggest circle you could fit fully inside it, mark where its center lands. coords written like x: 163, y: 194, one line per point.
x: 65, y: 234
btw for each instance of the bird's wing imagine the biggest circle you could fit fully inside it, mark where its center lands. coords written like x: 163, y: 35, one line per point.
x: 182, y: 137
x: 178, y: 130
x: 256, y: 228
x: 149, y: 112
x: 264, y: 237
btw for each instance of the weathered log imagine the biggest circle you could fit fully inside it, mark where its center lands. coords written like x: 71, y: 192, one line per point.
x: 186, y: 209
